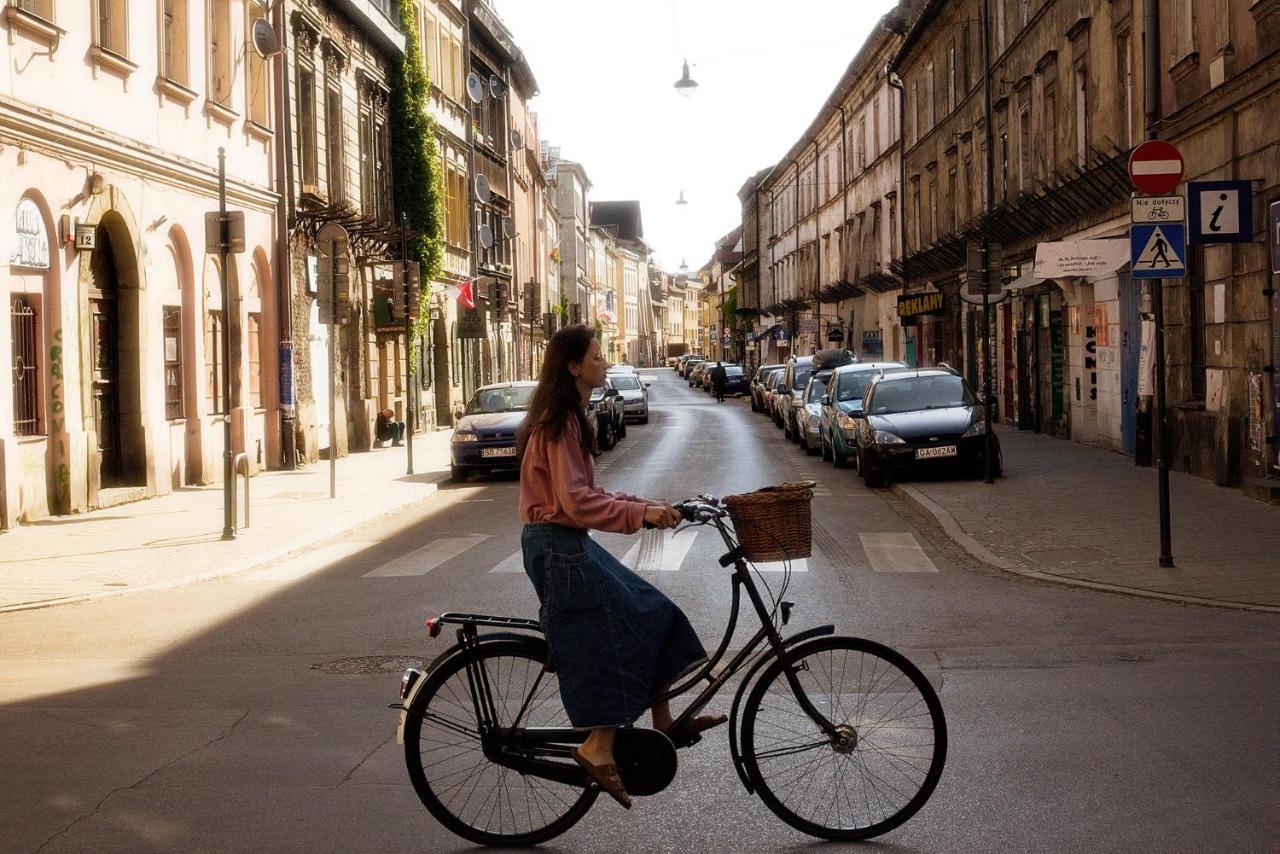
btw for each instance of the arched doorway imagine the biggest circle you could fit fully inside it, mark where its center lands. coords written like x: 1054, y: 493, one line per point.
x: 114, y: 361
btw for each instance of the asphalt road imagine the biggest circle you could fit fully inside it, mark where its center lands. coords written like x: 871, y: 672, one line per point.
x: 250, y: 714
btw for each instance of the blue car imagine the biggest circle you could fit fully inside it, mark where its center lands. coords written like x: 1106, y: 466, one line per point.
x: 843, y: 397
x: 484, y: 439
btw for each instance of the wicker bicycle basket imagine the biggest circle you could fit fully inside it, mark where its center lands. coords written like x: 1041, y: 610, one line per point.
x: 774, y: 523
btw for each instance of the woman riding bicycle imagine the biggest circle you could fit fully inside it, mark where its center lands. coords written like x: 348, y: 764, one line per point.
x: 616, y: 641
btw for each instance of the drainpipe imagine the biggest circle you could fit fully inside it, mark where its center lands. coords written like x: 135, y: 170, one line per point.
x: 817, y: 245
x: 473, y: 263
x: 284, y: 259
x: 895, y: 82
x: 844, y: 205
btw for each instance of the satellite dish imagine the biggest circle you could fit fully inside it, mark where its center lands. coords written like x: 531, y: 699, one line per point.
x: 517, y: 142
x: 508, y: 227
x: 486, y: 237
x: 482, y: 188
x: 264, y: 39
x: 475, y: 87
x: 496, y: 86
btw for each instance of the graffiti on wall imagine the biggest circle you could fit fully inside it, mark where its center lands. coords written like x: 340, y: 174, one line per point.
x: 57, y: 408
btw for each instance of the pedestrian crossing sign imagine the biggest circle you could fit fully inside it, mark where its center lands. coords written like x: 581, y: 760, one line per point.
x: 1157, y: 251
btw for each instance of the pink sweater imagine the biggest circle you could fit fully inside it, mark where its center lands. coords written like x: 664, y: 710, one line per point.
x: 557, y: 484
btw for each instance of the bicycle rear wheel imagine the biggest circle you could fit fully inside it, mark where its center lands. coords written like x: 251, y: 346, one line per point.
x: 884, y: 765
x: 475, y: 798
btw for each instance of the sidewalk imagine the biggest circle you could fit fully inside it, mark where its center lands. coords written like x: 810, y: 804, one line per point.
x: 1080, y: 515
x: 177, y: 539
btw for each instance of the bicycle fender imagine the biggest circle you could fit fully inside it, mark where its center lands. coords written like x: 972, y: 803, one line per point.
x: 807, y: 634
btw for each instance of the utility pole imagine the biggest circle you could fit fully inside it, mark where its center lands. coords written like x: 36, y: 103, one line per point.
x: 1151, y: 79
x: 988, y: 471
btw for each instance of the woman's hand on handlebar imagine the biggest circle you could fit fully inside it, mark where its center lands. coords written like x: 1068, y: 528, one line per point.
x: 661, y: 516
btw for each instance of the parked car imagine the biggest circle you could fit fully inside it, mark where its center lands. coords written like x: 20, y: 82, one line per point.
x: 921, y: 420
x: 791, y: 391
x: 484, y: 439
x: 690, y: 366
x: 809, y: 416
x: 635, y: 394
x: 758, y: 385
x: 698, y: 378
x: 684, y: 360
x: 773, y: 395
x: 611, y: 419
x: 844, y: 396
x: 736, y: 380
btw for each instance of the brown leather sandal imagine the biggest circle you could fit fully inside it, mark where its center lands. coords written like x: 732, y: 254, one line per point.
x: 690, y: 732
x: 606, y: 777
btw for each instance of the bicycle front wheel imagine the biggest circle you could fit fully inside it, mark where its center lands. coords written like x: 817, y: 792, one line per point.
x: 475, y: 798
x: 887, y: 756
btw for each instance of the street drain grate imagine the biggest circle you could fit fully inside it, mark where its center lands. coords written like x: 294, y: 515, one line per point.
x: 367, y: 664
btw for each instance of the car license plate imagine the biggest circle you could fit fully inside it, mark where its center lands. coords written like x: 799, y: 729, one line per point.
x: 497, y: 452
x: 940, y: 451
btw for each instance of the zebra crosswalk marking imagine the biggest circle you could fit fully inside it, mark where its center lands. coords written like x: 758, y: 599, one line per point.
x: 895, y: 552
x: 515, y: 563
x: 305, y: 564
x: 423, y: 560
x: 800, y: 564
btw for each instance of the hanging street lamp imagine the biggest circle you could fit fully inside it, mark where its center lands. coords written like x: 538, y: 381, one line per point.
x: 686, y: 85
x: 681, y: 201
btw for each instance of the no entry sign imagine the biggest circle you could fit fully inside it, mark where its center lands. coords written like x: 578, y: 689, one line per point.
x: 1155, y: 167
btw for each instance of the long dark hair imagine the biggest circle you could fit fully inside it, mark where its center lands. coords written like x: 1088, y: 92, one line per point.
x: 556, y: 399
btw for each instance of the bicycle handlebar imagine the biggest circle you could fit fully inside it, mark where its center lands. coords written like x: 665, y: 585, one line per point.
x: 704, y: 508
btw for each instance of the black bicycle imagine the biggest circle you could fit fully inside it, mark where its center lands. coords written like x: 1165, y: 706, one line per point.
x: 842, y: 738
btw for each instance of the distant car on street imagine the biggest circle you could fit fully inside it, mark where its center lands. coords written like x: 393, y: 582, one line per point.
x: 691, y: 366
x: 790, y: 395
x: 758, y: 385
x: 635, y: 393
x: 611, y: 419
x: 773, y: 396
x: 736, y: 380
x: 844, y: 396
x: 484, y: 439
x: 921, y: 420
x: 809, y: 418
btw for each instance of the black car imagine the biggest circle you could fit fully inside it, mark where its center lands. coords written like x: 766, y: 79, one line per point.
x: 736, y: 380
x: 484, y: 439
x: 611, y: 414
x: 758, y: 386
x: 922, y: 420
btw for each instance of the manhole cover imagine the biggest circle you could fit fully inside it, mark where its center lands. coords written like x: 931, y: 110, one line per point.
x: 367, y: 664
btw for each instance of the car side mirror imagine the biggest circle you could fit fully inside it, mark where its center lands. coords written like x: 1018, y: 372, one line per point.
x: 612, y: 392
x: 646, y: 385
x: 826, y: 400
x: 858, y: 415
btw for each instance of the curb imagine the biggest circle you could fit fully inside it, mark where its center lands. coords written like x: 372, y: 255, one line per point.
x: 260, y: 560
x: 982, y: 554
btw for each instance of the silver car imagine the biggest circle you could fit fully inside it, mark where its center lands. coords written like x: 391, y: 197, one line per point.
x: 635, y: 394
x: 809, y: 418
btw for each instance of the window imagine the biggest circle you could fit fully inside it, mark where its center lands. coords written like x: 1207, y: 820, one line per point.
x: 1196, y: 317
x: 1082, y: 113
x: 970, y: 191
x: 876, y: 146
x: 1050, y: 125
x: 334, y: 135
x: 1000, y: 34
x: 965, y: 37
x: 254, y: 332
x: 111, y: 19
x: 953, y: 201
x: 375, y: 177
x: 172, y: 323
x: 258, y: 98
x: 951, y: 79
x: 214, y: 358
x: 862, y: 142
x: 26, y: 367
x: 893, y: 226
x: 1124, y: 92
x: 307, y: 126
x: 173, y: 47
x: 933, y: 209
x: 915, y: 212
x: 1024, y: 148
x: 914, y: 111
x: 39, y: 8
x: 221, y: 51
x: 1183, y: 29
x: 930, y: 104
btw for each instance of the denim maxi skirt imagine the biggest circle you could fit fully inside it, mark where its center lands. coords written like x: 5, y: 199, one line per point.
x: 616, y: 641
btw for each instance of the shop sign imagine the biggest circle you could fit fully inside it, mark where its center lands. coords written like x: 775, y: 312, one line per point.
x: 919, y: 305
x: 1065, y: 258
x: 30, y: 239
x: 472, y: 322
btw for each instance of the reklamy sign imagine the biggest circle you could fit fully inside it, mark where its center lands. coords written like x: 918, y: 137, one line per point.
x: 920, y: 305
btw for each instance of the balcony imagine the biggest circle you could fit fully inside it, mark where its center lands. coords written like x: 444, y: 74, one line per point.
x: 378, y: 20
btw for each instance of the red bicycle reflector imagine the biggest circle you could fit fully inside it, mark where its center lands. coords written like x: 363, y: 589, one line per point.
x: 433, y: 626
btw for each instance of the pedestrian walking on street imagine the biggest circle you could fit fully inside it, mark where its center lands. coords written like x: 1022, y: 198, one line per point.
x: 617, y: 641
x: 719, y: 376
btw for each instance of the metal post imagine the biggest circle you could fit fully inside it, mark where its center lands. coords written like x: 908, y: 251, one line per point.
x: 408, y: 342
x: 333, y: 368
x: 1151, y: 73
x: 228, y: 476
x: 986, y: 247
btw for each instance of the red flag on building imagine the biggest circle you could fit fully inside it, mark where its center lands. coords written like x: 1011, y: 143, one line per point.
x: 466, y: 296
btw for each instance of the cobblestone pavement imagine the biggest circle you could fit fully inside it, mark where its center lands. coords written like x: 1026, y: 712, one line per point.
x: 1085, y: 515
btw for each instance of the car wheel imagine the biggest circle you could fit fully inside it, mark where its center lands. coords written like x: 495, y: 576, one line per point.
x: 754, y: 406
x: 811, y: 450
x: 456, y: 474
x: 644, y: 419
x: 839, y: 460
x: 870, y: 477
x: 622, y: 428
x: 606, y: 437
x: 826, y: 449
x: 998, y: 469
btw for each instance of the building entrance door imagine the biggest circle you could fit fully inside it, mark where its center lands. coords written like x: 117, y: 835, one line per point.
x: 104, y: 361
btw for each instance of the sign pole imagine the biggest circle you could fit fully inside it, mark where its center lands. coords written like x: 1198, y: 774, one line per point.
x: 1151, y: 71
x: 333, y: 368
x: 228, y: 475
x: 408, y: 342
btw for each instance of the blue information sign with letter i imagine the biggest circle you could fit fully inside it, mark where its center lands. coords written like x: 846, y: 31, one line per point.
x: 1157, y: 251
x: 1221, y: 211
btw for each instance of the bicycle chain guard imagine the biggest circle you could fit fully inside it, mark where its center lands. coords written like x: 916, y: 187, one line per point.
x: 646, y: 760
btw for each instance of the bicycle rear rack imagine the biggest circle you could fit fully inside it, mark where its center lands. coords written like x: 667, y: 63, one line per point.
x: 435, y: 624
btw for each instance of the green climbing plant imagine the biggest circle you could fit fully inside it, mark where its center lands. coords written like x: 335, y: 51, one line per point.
x: 415, y: 161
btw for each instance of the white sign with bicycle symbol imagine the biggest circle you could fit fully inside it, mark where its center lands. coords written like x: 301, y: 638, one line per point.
x: 1159, y: 209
